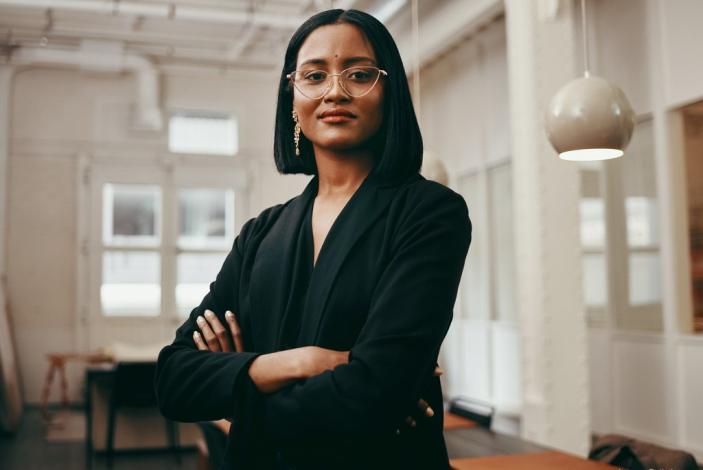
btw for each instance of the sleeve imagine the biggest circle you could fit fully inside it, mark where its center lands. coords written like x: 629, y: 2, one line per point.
x: 193, y: 385
x: 395, y: 354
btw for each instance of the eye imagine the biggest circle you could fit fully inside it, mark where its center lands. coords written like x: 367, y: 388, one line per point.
x: 360, y: 75
x: 314, y: 75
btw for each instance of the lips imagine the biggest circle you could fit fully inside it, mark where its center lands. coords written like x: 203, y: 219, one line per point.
x: 336, y: 112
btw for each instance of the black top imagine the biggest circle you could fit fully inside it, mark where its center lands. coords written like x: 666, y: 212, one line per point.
x: 302, y: 268
x: 383, y: 287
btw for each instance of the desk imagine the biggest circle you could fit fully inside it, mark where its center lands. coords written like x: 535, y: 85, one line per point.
x: 477, y: 448
x: 92, y: 374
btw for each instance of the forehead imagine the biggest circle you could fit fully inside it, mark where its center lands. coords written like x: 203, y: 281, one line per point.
x: 334, y: 44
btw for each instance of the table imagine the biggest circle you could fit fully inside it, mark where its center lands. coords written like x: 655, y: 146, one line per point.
x: 550, y: 460
x: 92, y: 374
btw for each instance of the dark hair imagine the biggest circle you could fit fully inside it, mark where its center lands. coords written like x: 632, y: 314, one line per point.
x: 398, y: 143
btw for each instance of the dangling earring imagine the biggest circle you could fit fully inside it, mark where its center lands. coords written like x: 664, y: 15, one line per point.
x: 296, y: 134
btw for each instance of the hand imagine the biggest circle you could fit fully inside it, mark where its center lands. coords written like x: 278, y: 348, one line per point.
x: 423, y: 406
x: 214, y: 336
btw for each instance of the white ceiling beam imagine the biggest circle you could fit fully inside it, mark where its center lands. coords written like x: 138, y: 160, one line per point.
x: 441, y: 29
x: 164, y: 11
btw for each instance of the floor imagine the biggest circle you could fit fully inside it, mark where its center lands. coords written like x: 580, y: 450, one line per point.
x: 29, y: 450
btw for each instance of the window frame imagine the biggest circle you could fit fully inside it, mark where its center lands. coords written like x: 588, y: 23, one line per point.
x: 170, y: 173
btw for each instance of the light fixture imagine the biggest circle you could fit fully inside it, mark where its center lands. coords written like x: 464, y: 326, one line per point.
x: 589, y: 118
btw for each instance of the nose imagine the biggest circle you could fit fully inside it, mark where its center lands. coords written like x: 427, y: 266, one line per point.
x: 335, y: 92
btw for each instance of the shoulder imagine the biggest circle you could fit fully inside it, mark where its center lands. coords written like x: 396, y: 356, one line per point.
x: 420, y: 198
x: 257, y: 227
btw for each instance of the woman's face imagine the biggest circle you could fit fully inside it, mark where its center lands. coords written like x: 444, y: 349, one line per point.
x: 333, y: 48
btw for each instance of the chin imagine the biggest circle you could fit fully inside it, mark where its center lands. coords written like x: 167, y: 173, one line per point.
x: 341, y: 144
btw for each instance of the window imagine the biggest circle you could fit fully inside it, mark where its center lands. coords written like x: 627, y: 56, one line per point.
x: 593, y: 238
x: 205, y: 234
x: 488, y: 283
x: 211, y: 134
x: 162, y: 234
x: 130, y: 258
x: 619, y: 237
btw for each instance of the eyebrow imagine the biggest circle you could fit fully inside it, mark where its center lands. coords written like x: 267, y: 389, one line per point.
x: 350, y: 60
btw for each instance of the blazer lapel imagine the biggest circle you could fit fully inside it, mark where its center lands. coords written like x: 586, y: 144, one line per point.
x: 272, y: 270
x: 365, y: 206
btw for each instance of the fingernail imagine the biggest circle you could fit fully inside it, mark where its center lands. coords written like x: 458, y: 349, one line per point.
x: 229, y: 314
x: 209, y: 314
x: 200, y: 320
x: 196, y: 334
x: 429, y: 412
x: 440, y: 371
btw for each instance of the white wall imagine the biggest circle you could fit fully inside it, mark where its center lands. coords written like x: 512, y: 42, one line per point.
x: 58, y: 114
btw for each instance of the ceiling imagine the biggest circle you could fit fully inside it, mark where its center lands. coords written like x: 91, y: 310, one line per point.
x: 220, y: 33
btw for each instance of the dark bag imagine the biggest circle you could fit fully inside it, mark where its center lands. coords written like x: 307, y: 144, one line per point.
x: 632, y: 454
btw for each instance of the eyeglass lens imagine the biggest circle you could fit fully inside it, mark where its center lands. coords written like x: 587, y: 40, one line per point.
x: 356, y: 81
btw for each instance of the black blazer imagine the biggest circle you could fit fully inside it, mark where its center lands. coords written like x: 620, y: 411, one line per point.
x: 384, y: 287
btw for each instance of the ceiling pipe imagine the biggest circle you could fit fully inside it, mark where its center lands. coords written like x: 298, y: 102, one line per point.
x: 148, y: 114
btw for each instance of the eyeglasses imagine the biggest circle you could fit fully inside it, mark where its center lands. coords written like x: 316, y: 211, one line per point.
x: 355, y: 81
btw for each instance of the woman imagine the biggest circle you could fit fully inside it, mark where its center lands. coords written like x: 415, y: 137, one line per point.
x: 345, y: 292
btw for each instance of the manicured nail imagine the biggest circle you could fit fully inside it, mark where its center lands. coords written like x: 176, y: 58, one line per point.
x: 200, y: 320
x: 229, y: 314
x: 196, y: 335
x: 209, y: 314
x: 429, y: 412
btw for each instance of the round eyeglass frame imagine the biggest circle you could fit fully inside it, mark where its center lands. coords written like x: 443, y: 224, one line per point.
x: 381, y: 72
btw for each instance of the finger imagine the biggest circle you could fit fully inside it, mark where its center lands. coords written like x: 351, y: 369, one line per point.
x: 212, y: 343
x: 438, y: 371
x: 219, y: 330
x: 410, y: 422
x: 234, y: 329
x: 425, y: 408
x: 198, y: 338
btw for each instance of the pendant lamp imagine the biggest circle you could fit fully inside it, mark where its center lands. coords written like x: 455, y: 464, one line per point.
x: 589, y: 118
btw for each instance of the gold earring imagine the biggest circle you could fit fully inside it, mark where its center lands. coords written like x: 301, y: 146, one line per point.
x: 296, y: 134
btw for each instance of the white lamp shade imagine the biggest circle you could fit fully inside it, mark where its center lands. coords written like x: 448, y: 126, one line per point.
x: 589, y: 118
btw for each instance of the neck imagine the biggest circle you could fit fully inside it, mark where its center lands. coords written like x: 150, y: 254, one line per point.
x: 341, y: 173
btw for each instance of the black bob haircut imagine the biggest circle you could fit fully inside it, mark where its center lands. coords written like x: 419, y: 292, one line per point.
x: 397, y: 146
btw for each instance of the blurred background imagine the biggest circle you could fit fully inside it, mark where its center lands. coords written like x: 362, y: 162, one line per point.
x: 136, y: 139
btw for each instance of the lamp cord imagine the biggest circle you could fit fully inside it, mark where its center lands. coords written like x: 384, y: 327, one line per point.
x: 584, y: 33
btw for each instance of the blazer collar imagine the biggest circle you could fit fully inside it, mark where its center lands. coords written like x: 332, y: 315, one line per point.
x: 364, y: 207
x: 273, y: 270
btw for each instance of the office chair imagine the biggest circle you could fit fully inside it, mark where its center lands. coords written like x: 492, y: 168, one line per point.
x: 475, y: 410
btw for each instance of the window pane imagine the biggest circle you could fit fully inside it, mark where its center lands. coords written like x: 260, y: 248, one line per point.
x: 131, y: 283
x: 592, y: 222
x: 474, y: 282
x: 641, y: 221
x: 208, y: 134
x: 644, y: 279
x: 595, y: 287
x: 131, y: 214
x: 501, y: 197
x: 206, y: 218
x: 195, y: 273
